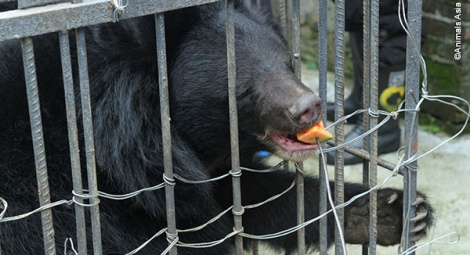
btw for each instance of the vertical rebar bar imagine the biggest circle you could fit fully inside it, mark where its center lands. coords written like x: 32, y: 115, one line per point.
x: 73, y: 139
x: 300, y: 202
x: 295, y: 40
x: 413, y: 50
x: 87, y: 119
x: 366, y: 67
x: 233, y: 117
x: 38, y: 143
x: 374, y: 99
x: 282, y: 17
x: 300, y: 187
x: 322, y: 69
x: 166, y: 129
x: 339, y: 112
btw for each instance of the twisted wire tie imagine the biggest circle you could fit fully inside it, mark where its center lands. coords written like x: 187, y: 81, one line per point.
x: 168, y: 180
x: 235, y: 174
x: 119, y: 9
x: 239, y: 213
x: 85, y: 196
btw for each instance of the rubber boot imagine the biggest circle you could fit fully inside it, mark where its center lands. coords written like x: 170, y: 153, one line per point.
x: 391, y: 93
x: 354, y: 101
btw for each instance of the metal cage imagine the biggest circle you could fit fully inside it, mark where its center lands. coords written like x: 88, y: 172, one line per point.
x: 46, y: 16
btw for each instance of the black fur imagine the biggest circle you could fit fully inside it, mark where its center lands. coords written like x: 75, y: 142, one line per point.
x: 127, y: 132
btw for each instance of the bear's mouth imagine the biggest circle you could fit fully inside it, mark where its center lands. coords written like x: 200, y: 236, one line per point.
x: 290, y: 144
x: 286, y: 146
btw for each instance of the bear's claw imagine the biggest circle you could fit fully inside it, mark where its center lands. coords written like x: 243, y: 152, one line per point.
x: 418, y: 228
x: 420, y: 215
x: 419, y: 200
x: 392, y: 198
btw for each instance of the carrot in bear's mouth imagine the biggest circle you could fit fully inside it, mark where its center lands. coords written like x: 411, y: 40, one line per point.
x: 311, y: 134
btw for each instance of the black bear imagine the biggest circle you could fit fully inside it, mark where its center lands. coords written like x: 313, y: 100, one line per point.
x: 273, y: 105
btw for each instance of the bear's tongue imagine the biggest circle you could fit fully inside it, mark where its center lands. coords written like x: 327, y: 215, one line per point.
x: 290, y: 144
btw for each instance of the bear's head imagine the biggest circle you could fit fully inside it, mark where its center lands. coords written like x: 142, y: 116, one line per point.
x: 273, y: 104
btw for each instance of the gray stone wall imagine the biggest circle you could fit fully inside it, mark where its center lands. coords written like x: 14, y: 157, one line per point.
x: 447, y: 23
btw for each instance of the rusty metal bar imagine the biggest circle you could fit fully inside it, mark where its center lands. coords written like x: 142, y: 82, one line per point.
x: 322, y: 69
x: 38, y: 143
x: 282, y: 17
x: 233, y: 117
x: 30, y: 3
x: 299, y: 180
x: 365, y: 155
x: 413, y: 50
x: 73, y: 139
x: 339, y: 112
x: 365, y: 93
x: 300, y: 202
x: 374, y: 99
x: 67, y: 16
x: 89, y: 141
x: 172, y: 235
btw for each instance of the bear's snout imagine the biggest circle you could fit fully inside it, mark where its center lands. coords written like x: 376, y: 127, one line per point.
x: 307, y: 109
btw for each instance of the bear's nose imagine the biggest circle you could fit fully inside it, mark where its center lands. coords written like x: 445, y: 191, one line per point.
x: 307, y: 109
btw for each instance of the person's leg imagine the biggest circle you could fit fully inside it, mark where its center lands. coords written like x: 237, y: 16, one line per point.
x: 392, y: 56
x: 390, y: 97
x: 354, y: 101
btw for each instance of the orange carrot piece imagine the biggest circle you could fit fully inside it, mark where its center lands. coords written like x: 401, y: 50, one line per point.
x: 312, y: 133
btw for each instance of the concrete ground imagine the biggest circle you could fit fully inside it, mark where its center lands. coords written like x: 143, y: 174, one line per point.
x: 443, y: 175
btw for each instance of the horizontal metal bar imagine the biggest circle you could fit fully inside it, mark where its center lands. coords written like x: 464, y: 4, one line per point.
x: 30, y: 3
x: 66, y: 16
x: 365, y: 155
